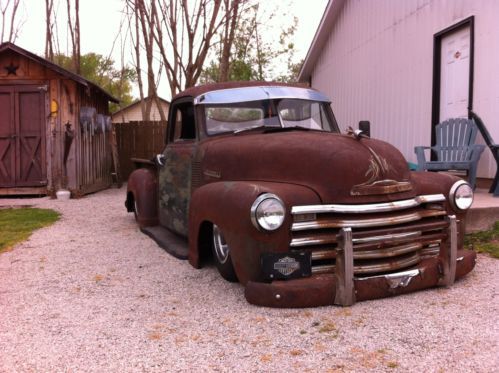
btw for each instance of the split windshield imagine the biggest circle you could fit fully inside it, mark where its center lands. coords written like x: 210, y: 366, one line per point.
x: 279, y: 113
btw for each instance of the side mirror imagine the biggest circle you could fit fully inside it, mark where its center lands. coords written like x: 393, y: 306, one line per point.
x: 159, y: 160
x: 365, y: 127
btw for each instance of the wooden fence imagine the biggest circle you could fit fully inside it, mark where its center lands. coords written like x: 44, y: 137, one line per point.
x: 138, y: 140
x: 95, y: 161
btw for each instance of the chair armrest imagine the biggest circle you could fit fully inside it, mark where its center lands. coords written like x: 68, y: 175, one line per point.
x: 419, y: 150
x: 476, y: 151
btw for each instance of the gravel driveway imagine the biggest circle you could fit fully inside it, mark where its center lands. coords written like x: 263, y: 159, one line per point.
x: 92, y: 293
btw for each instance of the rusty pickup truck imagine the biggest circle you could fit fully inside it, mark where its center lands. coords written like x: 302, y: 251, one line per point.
x: 258, y: 178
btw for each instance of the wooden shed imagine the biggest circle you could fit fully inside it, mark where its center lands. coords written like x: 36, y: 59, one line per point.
x: 55, y: 128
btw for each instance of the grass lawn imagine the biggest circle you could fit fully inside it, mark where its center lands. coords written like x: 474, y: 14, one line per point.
x: 16, y: 225
x: 486, y: 241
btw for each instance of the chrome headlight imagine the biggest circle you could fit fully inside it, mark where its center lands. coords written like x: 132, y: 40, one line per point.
x: 267, y: 212
x: 461, y: 195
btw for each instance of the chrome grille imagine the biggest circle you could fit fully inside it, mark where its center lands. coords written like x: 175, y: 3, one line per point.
x: 386, y: 237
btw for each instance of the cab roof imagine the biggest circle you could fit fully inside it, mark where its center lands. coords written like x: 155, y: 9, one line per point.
x: 201, y: 89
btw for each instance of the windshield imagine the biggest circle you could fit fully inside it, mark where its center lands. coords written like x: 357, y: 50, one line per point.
x: 279, y: 113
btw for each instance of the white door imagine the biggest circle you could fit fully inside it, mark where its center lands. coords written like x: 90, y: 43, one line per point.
x: 455, y: 74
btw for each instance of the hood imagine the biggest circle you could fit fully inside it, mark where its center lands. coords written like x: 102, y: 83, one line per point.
x: 339, y: 168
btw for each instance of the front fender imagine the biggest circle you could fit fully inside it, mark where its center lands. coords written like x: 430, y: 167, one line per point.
x: 228, y: 205
x: 142, y: 196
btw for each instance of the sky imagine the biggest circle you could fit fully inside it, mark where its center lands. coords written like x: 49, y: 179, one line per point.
x: 100, y: 23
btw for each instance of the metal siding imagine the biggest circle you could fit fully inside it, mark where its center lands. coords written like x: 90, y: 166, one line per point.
x: 377, y: 65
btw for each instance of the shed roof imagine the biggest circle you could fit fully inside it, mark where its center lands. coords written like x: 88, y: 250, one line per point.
x: 60, y: 70
x: 321, y: 35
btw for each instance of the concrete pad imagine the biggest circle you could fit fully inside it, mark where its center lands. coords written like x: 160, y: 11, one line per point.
x: 483, y: 213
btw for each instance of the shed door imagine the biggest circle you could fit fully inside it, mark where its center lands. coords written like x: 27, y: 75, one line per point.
x: 455, y: 74
x: 22, y: 136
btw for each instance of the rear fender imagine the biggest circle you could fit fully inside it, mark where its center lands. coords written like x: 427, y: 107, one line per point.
x: 142, y: 196
x: 228, y: 205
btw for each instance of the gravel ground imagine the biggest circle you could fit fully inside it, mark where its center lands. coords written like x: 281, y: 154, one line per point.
x: 92, y: 293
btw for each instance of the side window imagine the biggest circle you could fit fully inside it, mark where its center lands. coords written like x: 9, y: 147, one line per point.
x: 184, y: 125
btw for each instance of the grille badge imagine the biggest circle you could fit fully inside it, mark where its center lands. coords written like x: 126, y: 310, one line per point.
x: 286, y: 265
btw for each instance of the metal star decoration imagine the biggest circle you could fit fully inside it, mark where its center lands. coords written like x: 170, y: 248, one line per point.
x: 11, y: 69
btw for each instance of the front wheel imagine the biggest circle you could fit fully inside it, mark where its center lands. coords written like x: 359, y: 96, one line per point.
x: 221, y: 254
x: 135, y: 210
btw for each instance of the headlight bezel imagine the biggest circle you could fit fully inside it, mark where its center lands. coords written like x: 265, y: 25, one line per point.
x: 255, y: 218
x: 453, y: 194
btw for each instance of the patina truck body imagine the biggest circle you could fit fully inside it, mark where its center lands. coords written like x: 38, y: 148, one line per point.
x: 258, y: 178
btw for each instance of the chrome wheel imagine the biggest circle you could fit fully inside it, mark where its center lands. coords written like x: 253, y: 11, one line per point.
x: 222, y: 255
x: 220, y: 246
x: 136, y: 209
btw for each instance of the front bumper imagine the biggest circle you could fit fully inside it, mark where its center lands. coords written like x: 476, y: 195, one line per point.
x: 321, y: 290
x: 344, y: 288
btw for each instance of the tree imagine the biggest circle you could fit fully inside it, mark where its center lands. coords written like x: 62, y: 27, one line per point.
x: 292, y: 74
x: 227, y: 38
x: 183, y: 32
x: 74, y: 30
x: 49, y: 30
x: 144, y: 30
x: 253, y: 57
x: 9, y: 24
x: 100, y: 70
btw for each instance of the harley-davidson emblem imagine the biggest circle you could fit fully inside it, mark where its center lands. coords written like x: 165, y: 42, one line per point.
x: 286, y: 265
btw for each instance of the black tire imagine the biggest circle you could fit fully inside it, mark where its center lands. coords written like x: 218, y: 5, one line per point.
x: 221, y: 255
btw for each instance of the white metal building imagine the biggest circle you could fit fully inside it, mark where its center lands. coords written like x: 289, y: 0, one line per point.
x: 406, y: 65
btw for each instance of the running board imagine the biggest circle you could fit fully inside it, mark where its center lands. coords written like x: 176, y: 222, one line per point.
x: 173, y: 244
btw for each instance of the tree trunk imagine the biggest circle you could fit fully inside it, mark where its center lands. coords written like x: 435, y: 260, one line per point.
x: 231, y: 15
x: 49, y: 47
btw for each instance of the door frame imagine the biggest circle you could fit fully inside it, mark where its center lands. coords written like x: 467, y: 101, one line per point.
x: 437, y: 56
x: 42, y: 92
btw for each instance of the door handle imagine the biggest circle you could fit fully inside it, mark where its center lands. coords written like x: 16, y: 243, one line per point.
x: 13, y: 137
x: 160, y: 159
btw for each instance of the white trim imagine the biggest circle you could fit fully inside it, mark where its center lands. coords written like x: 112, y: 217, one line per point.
x: 321, y: 35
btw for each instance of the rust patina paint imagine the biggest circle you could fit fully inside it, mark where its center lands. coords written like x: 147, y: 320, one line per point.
x: 328, y: 163
x: 216, y: 179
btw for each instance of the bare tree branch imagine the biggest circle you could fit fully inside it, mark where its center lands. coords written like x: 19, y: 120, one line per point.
x: 13, y: 28
x: 49, y: 47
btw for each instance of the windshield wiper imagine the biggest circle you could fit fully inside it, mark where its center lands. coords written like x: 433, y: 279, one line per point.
x: 267, y: 129
x: 291, y: 128
x: 253, y: 128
